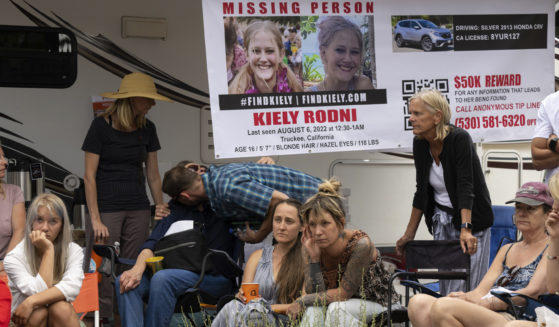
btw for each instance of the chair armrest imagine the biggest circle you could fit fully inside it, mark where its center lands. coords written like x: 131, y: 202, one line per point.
x: 419, y: 287
x: 519, y: 305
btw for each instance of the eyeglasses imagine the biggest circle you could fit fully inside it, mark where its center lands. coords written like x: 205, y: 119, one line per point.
x: 504, y: 280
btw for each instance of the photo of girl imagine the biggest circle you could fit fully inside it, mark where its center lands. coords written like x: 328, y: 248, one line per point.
x: 343, y: 56
x: 265, y: 71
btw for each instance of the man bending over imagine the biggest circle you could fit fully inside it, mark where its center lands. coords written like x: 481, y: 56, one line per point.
x: 241, y: 191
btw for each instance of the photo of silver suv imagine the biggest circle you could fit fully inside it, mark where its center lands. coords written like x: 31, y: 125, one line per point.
x: 423, y: 33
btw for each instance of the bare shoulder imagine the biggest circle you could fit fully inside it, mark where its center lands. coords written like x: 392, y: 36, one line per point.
x: 362, y: 82
x: 255, y: 256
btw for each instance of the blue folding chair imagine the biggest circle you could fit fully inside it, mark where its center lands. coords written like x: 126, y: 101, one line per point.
x: 523, y: 307
x: 503, y: 230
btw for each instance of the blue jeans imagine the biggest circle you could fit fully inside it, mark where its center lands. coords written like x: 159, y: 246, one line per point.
x: 161, y: 292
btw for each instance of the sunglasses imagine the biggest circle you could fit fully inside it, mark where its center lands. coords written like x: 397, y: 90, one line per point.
x: 192, y: 166
x: 504, y: 280
x: 196, y: 167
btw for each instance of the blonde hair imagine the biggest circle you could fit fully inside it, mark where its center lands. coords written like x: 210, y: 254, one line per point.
x: 332, y: 25
x: 243, y: 80
x: 327, y: 199
x: 56, y: 208
x: 554, y: 187
x: 127, y: 119
x: 435, y: 102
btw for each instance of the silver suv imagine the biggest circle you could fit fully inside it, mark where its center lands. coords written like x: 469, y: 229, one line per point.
x: 422, y: 32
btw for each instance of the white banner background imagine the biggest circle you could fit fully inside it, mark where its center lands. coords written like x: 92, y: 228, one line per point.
x: 506, y: 113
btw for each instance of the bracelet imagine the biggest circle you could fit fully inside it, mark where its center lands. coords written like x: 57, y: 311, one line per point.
x: 552, y: 257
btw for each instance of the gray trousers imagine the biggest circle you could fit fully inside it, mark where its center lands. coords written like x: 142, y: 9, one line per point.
x: 130, y: 229
x: 443, y: 229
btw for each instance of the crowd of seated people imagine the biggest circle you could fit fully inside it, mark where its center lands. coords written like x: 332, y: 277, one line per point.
x: 317, y: 272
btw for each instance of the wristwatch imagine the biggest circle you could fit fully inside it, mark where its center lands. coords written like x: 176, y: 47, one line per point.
x: 466, y: 225
x: 553, y: 144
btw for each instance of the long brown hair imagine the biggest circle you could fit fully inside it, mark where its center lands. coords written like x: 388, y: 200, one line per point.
x: 291, y: 275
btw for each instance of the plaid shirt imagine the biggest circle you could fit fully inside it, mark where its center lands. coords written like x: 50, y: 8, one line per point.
x: 244, y: 190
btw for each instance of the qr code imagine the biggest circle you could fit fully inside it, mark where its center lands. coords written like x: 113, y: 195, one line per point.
x: 411, y: 87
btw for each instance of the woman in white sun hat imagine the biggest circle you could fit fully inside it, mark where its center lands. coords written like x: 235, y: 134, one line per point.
x: 116, y: 147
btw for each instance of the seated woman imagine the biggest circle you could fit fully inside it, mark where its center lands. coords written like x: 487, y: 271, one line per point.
x: 552, y: 272
x: 45, y: 269
x: 341, y: 52
x: 12, y: 215
x: 517, y: 267
x: 276, y: 268
x: 345, y: 281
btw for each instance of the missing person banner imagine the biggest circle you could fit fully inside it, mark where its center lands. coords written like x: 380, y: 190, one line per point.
x: 290, y: 77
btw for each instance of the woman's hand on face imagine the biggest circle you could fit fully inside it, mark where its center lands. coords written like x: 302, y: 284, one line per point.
x: 40, y: 241
x: 468, y: 242
x: 552, y: 224
x: 310, y: 245
x: 100, y: 231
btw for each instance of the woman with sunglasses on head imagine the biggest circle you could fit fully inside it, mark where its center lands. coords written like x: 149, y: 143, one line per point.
x: 45, y: 269
x: 517, y: 267
x: 552, y: 273
x: 117, y: 146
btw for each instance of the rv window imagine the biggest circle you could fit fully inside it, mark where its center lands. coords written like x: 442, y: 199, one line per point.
x: 37, y: 57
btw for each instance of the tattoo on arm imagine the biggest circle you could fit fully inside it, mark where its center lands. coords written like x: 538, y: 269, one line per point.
x: 314, y: 281
x: 350, y: 282
x: 357, y: 266
x: 316, y: 299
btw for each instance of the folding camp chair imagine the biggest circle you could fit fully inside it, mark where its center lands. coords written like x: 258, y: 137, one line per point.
x: 503, y: 230
x: 523, y: 307
x: 88, y: 298
x: 106, y: 267
x: 195, y: 300
x: 430, y: 255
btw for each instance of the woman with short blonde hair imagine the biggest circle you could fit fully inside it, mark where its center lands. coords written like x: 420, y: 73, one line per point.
x: 450, y: 185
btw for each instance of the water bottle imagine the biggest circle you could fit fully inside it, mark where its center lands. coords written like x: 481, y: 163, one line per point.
x: 117, y: 248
